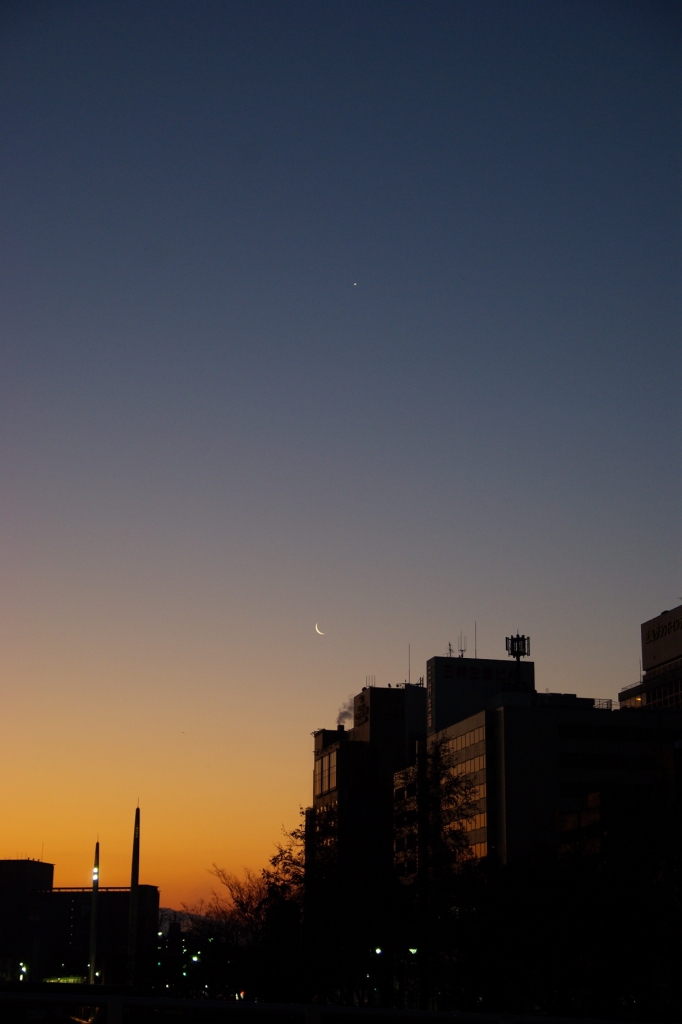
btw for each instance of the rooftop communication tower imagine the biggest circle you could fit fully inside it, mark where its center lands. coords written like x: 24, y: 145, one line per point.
x: 518, y: 647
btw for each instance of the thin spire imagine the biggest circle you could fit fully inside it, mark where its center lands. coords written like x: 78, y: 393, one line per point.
x: 135, y: 870
x: 134, y: 898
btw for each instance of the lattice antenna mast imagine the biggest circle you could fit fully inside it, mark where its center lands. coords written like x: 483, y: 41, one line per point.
x: 518, y: 646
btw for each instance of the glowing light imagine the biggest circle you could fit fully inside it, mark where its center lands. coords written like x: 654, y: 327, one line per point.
x: 413, y: 951
x: 377, y: 951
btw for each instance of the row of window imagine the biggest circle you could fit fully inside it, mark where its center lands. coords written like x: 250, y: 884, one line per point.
x: 325, y: 773
x: 667, y: 702
x: 474, y: 764
x: 477, y: 793
x: 668, y: 695
x: 479, y: 850
x: 478, y: 821
x: 467, y: 738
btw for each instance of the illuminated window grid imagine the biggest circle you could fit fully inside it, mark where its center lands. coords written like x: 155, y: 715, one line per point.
x: 473, y: 764
x: 467, y: 739
x: 325, y: 774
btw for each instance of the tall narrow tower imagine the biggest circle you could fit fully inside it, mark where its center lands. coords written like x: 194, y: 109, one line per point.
x: 93, y: 917
x: 134, y: 897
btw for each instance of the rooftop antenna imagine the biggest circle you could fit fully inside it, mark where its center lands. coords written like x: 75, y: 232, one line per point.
x: 450, y: 652
x: 518, y: 647
x: 475, y: 641
x: 409, y: 677
x: 462, y: 645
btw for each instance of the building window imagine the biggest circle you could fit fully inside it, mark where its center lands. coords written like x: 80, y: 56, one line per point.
x: 467, y: 739
x: 325, y: 774
x: 474, y: 764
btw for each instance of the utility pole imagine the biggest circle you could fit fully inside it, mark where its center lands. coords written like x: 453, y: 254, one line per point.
x: 93, y: 917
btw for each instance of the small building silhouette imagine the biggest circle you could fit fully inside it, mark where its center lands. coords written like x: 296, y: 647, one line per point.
x: 45, y: 932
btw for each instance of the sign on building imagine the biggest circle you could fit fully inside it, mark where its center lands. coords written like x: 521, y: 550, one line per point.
x: 662, y: 639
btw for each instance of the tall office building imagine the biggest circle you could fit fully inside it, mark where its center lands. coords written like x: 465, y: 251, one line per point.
x: 550, y: 775
x: 349, y: 825
x: 553, y: 776
x: 661, y: 684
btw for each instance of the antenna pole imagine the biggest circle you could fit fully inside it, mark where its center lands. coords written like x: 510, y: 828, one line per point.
x: 475, y: 641
x: 409, y: 678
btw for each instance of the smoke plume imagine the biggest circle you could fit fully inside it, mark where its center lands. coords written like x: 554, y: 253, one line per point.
x: 345, y: 715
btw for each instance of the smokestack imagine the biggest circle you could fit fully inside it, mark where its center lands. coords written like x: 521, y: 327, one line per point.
x: 134, y: 893
x: 93, y: 917
x: 135, y: 872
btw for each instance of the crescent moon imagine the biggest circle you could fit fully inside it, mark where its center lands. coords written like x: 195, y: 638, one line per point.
x: 318, y: 630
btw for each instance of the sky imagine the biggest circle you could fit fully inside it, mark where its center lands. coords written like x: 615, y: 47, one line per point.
x: 363, y: 314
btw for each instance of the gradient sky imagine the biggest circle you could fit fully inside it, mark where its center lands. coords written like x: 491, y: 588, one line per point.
x: 359, y: 313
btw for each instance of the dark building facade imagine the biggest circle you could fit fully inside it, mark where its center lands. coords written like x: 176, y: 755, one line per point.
x: 349, y: 837
x: 20, y: 880
x: 45, y: 932
x: 459, y: 687
x: 556, y: 776
x: 661, y: 685
x: 548, y: 775
x: 60, y: 922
